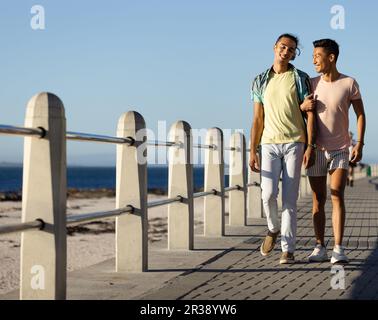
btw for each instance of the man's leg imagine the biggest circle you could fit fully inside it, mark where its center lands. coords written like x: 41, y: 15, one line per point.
x: 319, y: 197
x: 351, y: 175
x: 291, y: 174
x: 317, y: 175
x: 270, y: 173
x: 338, y: 182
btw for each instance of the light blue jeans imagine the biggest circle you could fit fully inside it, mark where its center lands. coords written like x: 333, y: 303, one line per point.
x: 287, y: 159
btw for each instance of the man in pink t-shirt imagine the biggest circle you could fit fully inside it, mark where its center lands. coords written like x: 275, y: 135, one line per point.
x: 333, y: 93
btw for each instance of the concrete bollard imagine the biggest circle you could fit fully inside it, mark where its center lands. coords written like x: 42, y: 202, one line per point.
x: 238, y: 176
x: 254, y: 195
x: 214, y: 205
x: 44, y: 253
x: 131, y: 189
x: 180, y: 175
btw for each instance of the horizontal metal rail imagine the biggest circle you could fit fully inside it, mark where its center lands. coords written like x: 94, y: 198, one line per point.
x: 205, y: 146
x: 161, y: 143
x: 22, y: 131
x: 235, y: 149
x: 159, y: 203
x: 237, y: 187
x: 170, y: 144
x: 253, y: 184
x: 85, y: 217
x: 18, y: 227
x: 205, y: 193
x: 78, y: 136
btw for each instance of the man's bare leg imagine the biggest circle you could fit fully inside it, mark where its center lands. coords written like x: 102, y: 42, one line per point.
x: 319, y: 197
x: 351, y: 175
x: 338, y: 182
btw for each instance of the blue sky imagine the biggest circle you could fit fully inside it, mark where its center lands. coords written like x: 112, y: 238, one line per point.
x: 169, y: 60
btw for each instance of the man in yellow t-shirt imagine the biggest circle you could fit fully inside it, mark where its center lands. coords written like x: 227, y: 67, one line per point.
x: 279, y: 127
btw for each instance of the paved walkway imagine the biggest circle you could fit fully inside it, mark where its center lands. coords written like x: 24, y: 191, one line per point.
x: 242, y: 273
x: 232, y: 267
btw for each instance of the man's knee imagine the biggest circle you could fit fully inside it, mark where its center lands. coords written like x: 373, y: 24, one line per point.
x: 337, y: 195
x: 269, y: 195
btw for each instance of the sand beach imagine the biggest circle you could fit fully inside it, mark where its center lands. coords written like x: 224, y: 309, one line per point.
x: 87, y: 244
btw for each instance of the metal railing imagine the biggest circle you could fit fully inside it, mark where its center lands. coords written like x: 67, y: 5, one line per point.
x: 158, y: 203
x: 87, y: 137
x: 21, y: 131
x: 25, y: 226
x: 78, y: 136
x: 48, y: 160
x: 86, y: 217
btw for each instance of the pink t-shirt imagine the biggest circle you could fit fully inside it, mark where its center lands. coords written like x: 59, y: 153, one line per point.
x: 333, y: 100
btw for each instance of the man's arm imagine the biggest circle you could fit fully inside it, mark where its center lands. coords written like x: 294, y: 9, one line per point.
x: 309, y: 158
x: 256, y: 133
x: 358, y: 107
x: 311, y: 128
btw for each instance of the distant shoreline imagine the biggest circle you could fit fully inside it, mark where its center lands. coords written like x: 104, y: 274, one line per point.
x: 20, y: 165
x: 74, y: 193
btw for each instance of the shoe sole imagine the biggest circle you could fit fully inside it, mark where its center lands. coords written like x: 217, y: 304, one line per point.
x: 287, y: 261
x: 264, y: 253
x: 320, y: 260
x: 339, y: 261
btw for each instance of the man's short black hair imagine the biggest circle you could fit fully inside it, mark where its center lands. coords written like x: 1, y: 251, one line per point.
x: 329, y: 45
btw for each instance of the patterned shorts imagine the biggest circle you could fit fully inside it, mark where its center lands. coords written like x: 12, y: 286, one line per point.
x: 326, y: 161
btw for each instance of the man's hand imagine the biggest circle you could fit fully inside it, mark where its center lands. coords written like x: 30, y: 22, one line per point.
x: 254, y: 162
x: 357, y: 153
x: 309, y: 157
x: 308, y: 104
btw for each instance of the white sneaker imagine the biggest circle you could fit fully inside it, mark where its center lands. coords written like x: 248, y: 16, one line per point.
x: 319, y: 254
x: 338, y: 255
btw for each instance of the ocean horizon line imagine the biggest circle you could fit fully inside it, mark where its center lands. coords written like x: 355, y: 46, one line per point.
x: 20, y: 165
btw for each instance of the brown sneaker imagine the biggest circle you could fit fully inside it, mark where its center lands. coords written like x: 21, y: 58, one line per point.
x: 269, y: 242
x: 287, y: 258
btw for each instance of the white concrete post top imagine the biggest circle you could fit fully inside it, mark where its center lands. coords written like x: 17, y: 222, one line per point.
x: 44, y: 106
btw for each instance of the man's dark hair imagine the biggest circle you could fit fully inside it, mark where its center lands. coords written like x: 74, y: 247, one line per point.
x: 290, y: 36
x: 293, y: 38
x: 329, y: 45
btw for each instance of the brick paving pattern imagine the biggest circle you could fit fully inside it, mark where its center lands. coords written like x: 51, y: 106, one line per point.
x: 242, y: 273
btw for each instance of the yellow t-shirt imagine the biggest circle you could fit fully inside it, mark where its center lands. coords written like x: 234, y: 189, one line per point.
x: 283, y: 122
